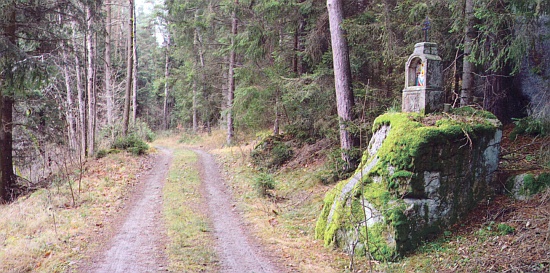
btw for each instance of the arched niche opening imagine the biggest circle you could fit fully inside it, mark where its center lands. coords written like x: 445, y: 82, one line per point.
x: 417, y: 72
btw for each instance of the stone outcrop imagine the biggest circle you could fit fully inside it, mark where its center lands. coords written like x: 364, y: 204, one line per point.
x: 524, y: 186
x: 419, y: 175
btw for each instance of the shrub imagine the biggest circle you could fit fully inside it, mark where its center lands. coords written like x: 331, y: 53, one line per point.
x: 142, y: 131
x: 101, y: 153
x: 131, y: 143
x: 529, y: 126
x: 271, y: 153
x: 264, y: 182
x: 504, y: 229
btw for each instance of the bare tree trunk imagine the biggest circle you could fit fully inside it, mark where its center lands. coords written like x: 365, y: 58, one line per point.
x: 225, y: 81
x: 90, y: 85
x: 277, y: 114
x: 81, y: 99
x: 129, y: 70
x: 108, y: 73
x: 135, y: 71
x: 467, y: 66
x: 208, y: 110
x: 7, y: 177
x: 70, y: 104
x: 231, y: 78
x: 166, y: 124
x: 342, y: 76
x: 194, y: 106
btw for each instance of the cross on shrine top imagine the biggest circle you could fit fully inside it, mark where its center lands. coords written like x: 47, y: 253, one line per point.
x: 426, y: 28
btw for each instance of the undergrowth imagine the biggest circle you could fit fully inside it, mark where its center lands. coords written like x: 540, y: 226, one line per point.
x: 46, y: 231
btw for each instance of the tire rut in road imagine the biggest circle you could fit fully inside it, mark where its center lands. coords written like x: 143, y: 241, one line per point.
x: 138, y: 243
x: 236, y: 250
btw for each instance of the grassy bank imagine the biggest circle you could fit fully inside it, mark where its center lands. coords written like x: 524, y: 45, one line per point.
x: 46, y: 232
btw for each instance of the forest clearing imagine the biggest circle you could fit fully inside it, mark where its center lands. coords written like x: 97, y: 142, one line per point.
x: 274, y: 136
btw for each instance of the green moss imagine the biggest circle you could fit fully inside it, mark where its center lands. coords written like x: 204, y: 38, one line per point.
x: 470, y: 111
x: 380, y: 244
x: 408, y: 141
x: 533, y: 185
x: 321, y: 229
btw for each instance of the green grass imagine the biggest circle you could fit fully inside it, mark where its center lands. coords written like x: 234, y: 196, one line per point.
x: 190, y: 247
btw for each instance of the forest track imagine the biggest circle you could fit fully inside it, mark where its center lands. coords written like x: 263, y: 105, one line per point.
x: 138, y: 243
x: 138, y: 240
x: 237, y: 250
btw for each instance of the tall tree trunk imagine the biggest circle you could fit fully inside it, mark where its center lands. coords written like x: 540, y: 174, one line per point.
x: 81, y: 99
x: 108, y: 73
x: 277, y: 115
x: 231, y: 77
x: 7, y: 177
x: 194, y: 107
x: 90, y: 81
x: 296, y: 46
x: 135, y: 70
x: 129, y: 70
x: 225, y: 81
x: 467, y: 66
x: 70, y: 104
x: 198, y: 47
x: 165, y: 123
x: 342, y: 77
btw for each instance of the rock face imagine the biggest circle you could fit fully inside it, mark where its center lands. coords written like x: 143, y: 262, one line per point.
x: 419, y: 175
x: 535, y: 71
x: 525, y: 185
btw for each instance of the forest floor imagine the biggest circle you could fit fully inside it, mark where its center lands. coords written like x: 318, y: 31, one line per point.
x: 213, y: 212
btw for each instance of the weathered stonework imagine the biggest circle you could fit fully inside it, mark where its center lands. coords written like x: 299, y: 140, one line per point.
x: 414, y: 180
x: 423, y: 80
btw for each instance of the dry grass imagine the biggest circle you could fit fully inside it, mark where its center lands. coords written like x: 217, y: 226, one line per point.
x: 190, y: 247
x: 285, y: 222
x: 44, y: 232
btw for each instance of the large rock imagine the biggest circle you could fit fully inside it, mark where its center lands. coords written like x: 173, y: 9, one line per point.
x: 419, y: 175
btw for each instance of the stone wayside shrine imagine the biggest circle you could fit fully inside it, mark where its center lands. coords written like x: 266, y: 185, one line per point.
x: 423, y: 91
x: 420, y: 173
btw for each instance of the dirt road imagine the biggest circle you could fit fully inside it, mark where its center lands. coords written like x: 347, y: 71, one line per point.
x: 138, y: 243
x: 237, y: 251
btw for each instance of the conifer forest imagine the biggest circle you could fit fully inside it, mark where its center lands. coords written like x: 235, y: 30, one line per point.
x: 81, y: 79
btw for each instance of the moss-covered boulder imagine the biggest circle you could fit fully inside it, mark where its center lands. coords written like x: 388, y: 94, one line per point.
x: 419, y: 175
x: 524, y: 186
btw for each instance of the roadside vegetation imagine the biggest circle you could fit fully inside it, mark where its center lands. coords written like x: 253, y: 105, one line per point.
x: 282, y: 204
x: 53, y: 228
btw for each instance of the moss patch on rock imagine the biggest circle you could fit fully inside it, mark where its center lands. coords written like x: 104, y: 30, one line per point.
x: 523, y: 186
x: 426, y: 172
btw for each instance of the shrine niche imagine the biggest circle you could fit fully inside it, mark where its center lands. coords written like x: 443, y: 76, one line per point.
x: 423, y: 80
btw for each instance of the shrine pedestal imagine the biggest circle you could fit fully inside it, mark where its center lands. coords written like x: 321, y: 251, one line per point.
x: 422, y: 100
